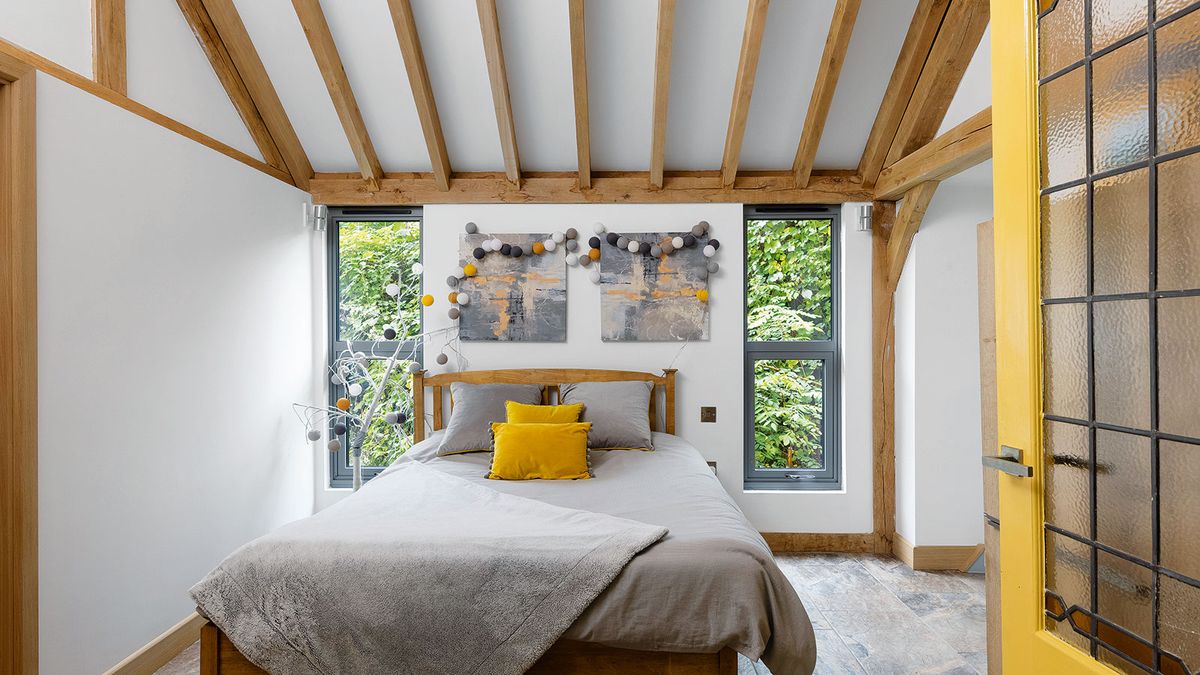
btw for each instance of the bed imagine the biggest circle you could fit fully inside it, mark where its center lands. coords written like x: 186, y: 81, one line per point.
x: 684, y: 606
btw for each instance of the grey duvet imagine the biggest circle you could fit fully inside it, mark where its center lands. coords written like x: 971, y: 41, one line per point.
x: 432, y: 568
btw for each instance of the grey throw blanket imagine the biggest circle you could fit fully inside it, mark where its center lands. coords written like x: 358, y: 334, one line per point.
x: 419, y: 572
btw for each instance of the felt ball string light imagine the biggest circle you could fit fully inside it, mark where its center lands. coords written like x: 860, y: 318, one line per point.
x: 653, y: 249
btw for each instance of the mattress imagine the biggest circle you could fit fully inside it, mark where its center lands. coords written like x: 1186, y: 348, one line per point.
x: 710, y: 583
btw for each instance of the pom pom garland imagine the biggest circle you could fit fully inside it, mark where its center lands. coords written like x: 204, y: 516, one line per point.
x: 655, y: 251
x: 633, y: 246
x: 470, y: 270
x: 677, y: 242
x: 702, y: 295
x: 594, y: 275
x: 355, y: 389
x: 392, y: 290
x: 558, y: 237
x: 414, y: 368
x: 418, y: 268
x: 594, y: 242
x: 442, y: 359
x: 644, y: 248
x: 585, y: 260
x: 472, y: 228
x: 594, y: 254
x: 572, y: 245
x: 453, y: 297
x: 314, y: 435
x: 688, y: 240
x: 709, y: 251
x: 572, y: 233
x: 622, y: 242
x: 517, y: 251
x: 339, y: 429
x: 427, y: 300
x: 334, y: 445
x: 343, y: 404
x: 451, y: 281
x: 598, y: 227
x: 389, y: 333
x: 479, y: 253
x: 391, y: 418
x: 572, y: 259
x: 538, y: 248
x: 549, y: 245
x: 505, y: 249
x: 463, y: 299
x: 714, y: 243
x: 453, y: 313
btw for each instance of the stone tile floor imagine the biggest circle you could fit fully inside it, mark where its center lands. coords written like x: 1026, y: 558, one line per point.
x: 871, y: 615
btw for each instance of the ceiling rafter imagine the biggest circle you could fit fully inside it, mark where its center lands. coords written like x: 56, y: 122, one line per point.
x: 956, y: 43
x: 628, y: 187
x: 493, y: 49
x: 108, y: 45
x: 579, y: 81
x: 845, y: 13
x: 743, y: 88
x: 206, y: 34
x: 927, y: 19
x: 662, y: 89
x: 320, y: 40
x: 244, y: 57
x: 422, y: 90
x: 955, y: 151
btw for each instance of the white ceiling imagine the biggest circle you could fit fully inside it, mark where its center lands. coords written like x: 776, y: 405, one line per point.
x: 168, y: 71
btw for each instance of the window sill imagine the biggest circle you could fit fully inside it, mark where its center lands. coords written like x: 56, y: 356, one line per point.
x: 765, y: 490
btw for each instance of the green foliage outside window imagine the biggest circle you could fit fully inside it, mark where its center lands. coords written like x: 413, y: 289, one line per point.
x: 371, y: 256
x: 789, y: 297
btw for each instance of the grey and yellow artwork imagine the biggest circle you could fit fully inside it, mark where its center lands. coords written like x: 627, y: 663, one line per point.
x: 513, y: 299
x: 653, y: 299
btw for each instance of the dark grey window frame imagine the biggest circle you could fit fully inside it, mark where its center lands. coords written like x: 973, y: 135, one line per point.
x: 830, y: 477
x: 340, y: 474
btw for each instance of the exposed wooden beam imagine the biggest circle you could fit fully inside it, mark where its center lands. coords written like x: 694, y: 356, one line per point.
x: 607, y: 188
x: 844, y: 15
x: 956, y: 42
x: 575, y: 10
x: 927, y: 19
x: 108, y: 45
x: 78, y: 81
x: 743, y: 88
x: 493, y: 49
x: 249, y: 66
x: 908, y: 221
x: 662, y: 89
x: 883, y: 390
x: 210, y: 41
x: 422, y: 90
x: 320, y: 39
x: 955, y: 151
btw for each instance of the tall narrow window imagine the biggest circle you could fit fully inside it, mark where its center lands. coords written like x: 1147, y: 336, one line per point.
x: 792, y: 351
x: 368, y: 252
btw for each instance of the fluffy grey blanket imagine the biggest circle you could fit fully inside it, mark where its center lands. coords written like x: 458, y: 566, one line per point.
x: 419, y: 572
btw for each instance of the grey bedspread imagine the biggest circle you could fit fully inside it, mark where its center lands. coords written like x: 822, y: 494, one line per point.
x: 710, y: 583
x: 420, y: 572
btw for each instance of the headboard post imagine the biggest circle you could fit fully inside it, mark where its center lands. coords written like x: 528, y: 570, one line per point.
x: 418, y: 402
x: 669, y: 403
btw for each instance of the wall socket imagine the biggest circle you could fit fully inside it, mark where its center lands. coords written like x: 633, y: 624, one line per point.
x: 708, y: 413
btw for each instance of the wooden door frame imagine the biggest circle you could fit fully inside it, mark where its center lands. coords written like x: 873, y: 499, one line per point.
x: 18, y: 369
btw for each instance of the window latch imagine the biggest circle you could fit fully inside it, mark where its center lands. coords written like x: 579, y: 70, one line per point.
x: 795, y: 476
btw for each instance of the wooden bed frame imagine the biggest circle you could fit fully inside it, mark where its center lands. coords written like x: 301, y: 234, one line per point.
x: 549, y: 378
x: 219, y: 656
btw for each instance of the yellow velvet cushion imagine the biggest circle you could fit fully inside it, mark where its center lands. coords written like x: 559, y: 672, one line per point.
x: 523, y: 413
x: 539, y: 450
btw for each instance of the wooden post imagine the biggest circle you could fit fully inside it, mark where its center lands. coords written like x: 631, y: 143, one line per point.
x: 883, y: 384
x: 669, y: 413
x: 418, y: 401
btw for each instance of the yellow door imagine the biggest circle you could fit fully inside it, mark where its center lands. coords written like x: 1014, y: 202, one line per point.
x: 1096, y: 109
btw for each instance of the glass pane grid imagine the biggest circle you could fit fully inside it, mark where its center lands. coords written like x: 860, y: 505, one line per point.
x: 1121, y: 503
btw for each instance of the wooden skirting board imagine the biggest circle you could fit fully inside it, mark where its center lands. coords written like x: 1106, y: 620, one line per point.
x: 816, y: 542
x: 929, y: 558
x: 162, y: 649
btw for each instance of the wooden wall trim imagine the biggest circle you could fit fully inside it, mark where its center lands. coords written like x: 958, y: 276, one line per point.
x: 626, y: 187
x: 935, y: 558
x: 816, y: 542
x: 159, y: 651
x: 124, y: 102
x: 18, y: 368
x: 108, y: 45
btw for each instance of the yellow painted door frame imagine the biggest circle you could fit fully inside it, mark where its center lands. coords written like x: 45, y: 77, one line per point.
x: 1027, y: 647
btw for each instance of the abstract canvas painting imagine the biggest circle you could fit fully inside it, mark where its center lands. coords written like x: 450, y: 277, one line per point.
x: 514, y: 299
x: 647, y: 299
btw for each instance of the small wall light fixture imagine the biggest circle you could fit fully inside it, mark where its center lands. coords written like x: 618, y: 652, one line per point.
x: 316, y: 216
x: 864, y: 218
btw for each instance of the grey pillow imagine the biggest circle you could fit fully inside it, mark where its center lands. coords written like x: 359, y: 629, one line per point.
x: 619, y: 412
x: 476, y: 406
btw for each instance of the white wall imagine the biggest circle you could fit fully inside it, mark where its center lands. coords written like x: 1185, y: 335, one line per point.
x: 710, y: 373
x: 175, y: 330
x: 939, y: 488
x: 60, y: 30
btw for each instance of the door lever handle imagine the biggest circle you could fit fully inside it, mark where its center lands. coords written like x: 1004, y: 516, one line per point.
x: 1009, y: 461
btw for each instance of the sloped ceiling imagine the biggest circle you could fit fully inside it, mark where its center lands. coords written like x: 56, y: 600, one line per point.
x: 168, y: 71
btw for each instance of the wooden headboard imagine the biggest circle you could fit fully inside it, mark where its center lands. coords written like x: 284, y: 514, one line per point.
x: 550, y: 378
